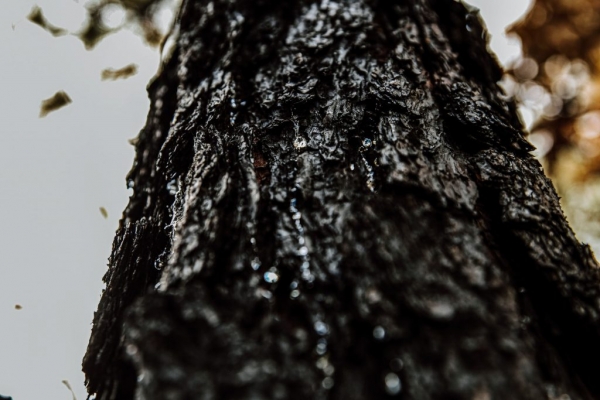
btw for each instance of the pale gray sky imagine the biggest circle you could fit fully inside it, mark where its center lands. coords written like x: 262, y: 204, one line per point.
x: 56, y: 172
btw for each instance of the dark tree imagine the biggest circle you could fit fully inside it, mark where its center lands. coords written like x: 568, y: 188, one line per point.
x: 333, y: 200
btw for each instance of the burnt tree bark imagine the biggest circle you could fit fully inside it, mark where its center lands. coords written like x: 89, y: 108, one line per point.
x: 333, y: 200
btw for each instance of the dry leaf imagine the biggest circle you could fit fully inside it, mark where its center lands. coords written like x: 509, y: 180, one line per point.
x: 152, y: 34
x: 122, y: 73
x: 59, y: 100
x: 94, y: 30
x: 18, y: 307
x: 37, y: 17
x: 104, y: 212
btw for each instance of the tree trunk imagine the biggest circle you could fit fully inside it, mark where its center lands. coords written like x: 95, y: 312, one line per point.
x: 333, y: 200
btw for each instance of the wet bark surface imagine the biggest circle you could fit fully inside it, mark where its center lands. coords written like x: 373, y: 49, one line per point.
x: 333, y: 200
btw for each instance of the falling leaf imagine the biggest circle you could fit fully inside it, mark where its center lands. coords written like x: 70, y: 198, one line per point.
x: 18, y: 307
x: 95, y: 30
x: 66, y: 383
x: 59, y: 100
x: 92, y: 34
x: 37, y: 17
x: 104, y: 212
x: 152, y: 34
x: 122, y: 73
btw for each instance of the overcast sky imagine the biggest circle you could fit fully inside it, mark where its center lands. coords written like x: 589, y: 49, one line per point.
x: 56, y: 172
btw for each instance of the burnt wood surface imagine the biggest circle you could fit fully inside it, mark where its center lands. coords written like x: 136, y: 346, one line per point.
x: 333, y: 200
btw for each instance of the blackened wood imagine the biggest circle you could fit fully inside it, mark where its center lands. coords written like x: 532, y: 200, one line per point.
x: 333, y: 200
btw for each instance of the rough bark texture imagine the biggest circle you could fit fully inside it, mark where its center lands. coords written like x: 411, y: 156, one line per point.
x: 332, y: 200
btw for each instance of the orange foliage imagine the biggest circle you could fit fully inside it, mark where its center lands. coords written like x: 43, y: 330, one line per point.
x: 558, y: 79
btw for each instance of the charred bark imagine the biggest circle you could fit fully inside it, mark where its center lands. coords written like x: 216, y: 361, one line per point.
x: 333, y: 200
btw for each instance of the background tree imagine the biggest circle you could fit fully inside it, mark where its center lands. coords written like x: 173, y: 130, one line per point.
x: 333, y: 199
x: 556, y: 82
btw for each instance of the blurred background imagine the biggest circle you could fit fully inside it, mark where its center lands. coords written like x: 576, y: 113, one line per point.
x: 73, y: 75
